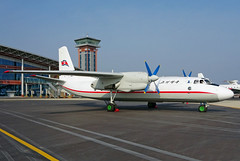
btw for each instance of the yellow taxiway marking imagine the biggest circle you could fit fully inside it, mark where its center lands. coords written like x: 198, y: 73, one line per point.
x: 29, y: 146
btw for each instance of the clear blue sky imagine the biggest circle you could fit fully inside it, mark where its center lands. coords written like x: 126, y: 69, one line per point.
x: 198, y: 35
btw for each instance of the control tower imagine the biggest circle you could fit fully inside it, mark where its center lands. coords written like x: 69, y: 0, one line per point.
x: 87, y: 53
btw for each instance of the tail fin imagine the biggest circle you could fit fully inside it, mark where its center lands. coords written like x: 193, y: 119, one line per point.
x: 65, y: 62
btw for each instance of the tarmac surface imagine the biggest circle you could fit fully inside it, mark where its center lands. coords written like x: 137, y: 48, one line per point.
x: 82, y: 129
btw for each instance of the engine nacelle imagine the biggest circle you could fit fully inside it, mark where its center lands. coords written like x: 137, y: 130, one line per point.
x: 131, y: 81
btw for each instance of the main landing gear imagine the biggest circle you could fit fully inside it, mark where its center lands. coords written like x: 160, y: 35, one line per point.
x: 203, y: 107
x: 111, y: 106
x: 152, y: 105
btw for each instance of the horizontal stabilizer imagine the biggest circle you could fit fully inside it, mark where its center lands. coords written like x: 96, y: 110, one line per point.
x: 55, y: 80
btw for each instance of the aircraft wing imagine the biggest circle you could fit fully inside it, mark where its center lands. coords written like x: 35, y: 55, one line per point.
x: 76, y: 73
x: 55, y: 80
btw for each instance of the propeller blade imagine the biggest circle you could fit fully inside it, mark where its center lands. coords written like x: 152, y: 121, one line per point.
x: 184, y: 74
x: 157, y: 88
x: 156, y: 70
x: 189, y: 75
x: 146, y: 89
x: 148, y: 69
x: 152, y: 77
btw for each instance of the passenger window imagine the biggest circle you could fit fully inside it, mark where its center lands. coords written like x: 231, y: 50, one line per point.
x: 172, y: 81
x: 177, y: 81
x: 167, y: 81
x: 196, y: 82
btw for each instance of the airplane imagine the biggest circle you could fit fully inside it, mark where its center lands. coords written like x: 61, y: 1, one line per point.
x: 131, y: 86
x: 233, y: 85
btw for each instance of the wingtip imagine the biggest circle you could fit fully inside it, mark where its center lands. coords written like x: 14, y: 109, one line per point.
x: 34, y: 75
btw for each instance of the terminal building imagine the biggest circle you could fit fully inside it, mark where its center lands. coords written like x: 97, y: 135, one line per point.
x: 24, y: 84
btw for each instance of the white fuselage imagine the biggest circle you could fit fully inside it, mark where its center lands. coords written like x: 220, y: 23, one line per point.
x: 172, y: 89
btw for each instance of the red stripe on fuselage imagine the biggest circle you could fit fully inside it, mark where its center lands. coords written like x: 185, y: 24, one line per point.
x: 180, y: 92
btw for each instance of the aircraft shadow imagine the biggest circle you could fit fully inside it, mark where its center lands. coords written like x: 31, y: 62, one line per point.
x: 168, y: 107
x: 160, y: 107
x: 77, y: 108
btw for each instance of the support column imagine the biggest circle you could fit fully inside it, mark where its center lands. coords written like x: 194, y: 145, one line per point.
x: 26, y: 90
x: 22, y: 79
x: 46, y: 95
x: 49, y: 90
x: 40, y: 94
x: 32, y: 92
x: 58, y: 92
x: 49, y: 68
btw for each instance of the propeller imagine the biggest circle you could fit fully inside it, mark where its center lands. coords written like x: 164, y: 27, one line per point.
x: 185, y: 75
x: 152, y: 77
x: 189, y: 75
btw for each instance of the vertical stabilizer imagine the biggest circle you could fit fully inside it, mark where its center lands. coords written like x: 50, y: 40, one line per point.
x: 65, y: 62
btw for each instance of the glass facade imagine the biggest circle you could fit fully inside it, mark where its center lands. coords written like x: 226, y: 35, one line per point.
x: 80, y: 60
x: 12, y: 82
x: 94, y: 60
x: 87, y: 41
x: 88, y: 69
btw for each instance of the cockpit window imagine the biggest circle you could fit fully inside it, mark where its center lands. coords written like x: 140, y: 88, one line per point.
x: 207, y: 81
x: 204, y: 81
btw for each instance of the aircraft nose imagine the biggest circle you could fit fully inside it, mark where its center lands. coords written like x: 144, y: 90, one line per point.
x: 224, y: 94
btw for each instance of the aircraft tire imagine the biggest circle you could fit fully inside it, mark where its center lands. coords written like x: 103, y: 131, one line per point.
x: 202, y: 109
x: 152, y: 105
x: 111, y: 107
